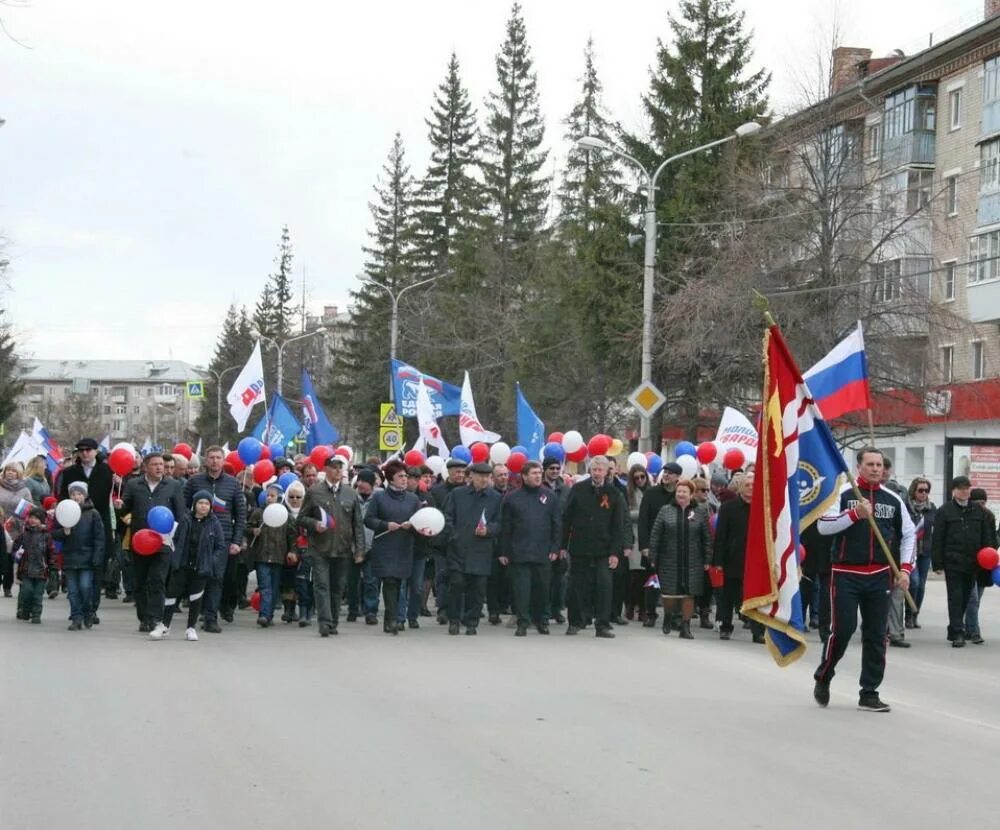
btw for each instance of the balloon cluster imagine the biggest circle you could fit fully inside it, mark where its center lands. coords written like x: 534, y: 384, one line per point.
x: 989, y: 559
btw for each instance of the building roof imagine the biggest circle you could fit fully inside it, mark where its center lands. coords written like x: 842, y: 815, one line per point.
x: 109, y: 371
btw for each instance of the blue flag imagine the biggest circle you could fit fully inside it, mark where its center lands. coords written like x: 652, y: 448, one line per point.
x: 530, y: 429
x: 279, y: 425
x: 318, y: 428
x: 445, y: 398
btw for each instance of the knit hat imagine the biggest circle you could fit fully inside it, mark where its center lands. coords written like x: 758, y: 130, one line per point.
x: 201, y: 495
x: 367, y: 476
x: 550, y: 461
x: 78, y: 485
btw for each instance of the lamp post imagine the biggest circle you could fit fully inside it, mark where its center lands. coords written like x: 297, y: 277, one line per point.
x: 395, y: 297
x: 281, y: 349
x: 649, y: 260
x: 218, y: 397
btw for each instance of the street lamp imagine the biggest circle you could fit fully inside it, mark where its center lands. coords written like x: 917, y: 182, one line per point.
x: 281, y: 349
x: 591, y: 142
x: 218, y: 397
x: 394, y: 317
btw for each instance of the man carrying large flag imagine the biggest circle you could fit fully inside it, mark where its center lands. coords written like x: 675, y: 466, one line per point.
x: 799, y: 473
x: 248, y: 390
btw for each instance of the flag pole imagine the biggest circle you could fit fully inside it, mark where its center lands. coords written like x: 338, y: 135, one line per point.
x: 760, y: 301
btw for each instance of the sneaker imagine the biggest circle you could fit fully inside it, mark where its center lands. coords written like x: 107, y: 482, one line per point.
x: 453, y: 628
x: 414, y: 623
x: 605, y: 633
x: 571, y: 630
x: 543, y: 628
x: 872, y: 703
x: 303, y: 622
x: 899, y: 642
x: 821, y: 693
x: 958, y: 642
x: 471, y: 631
x: 74, y: 626
x: 724, y: 635
x: 94, y: 620
x: 227, y: 615
x: 522, y: 631
x: 191, y: 635
x: 161, y: 632
x: 978, y: 640
x: 371, y: 619
x: 212, y: 627
x: 36, y: 620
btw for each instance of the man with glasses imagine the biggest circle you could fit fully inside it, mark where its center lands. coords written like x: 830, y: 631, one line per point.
x: 99, y: 479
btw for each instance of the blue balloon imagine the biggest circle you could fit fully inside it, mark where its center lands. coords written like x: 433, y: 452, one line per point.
x: 654, y: 465
x: 684, y: 448
x: 249, y: 450
x: 160, y: 519
x: 519, y: 448
x: 277, y: 451
x: 554, y: 450
x: 996, y: 576
x: 262, y: 498
x: 287, y: 479
x: 462, y: 454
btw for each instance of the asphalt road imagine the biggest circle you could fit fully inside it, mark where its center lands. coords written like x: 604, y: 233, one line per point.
x: 278, y: 728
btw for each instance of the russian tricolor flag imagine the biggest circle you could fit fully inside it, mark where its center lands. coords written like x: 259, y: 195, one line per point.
x: 327, y: 520
x: 839, y: 382
x: 22, y: 509
x: 218, y: 504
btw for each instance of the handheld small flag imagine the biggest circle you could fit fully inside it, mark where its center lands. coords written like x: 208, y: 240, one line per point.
x: 22, y: 509
x: 327, y: 520
x: 218, y: 504
x: 481, y: 524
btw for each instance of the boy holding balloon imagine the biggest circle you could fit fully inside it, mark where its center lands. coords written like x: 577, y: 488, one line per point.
x: 82, y: 537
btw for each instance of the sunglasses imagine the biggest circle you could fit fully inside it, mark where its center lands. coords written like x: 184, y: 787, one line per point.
x: 923, y: 489
x: 639, y: 477
x: 295, y: 497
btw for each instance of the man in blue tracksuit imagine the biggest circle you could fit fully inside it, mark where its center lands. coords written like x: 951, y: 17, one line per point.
x: 861, y: 578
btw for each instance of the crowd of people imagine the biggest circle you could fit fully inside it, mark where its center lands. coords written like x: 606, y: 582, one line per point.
x: 599, y: 550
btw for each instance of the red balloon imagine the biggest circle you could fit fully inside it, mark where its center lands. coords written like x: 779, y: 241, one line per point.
x: 414, y: 458
x: 706, y: 452
x: 480, y: 452
x: 988, y: 558
x: 733, y: 459
x: 121, y: 461
x: 263, y: 471
x: 319, y: 454
x: 227, y: 468
x: 343, y: 452
x: 233, y: 460
x: 598, y: 445
x: 183, y: 449
x: 265, y: 452
x: 146, y: 542
x: 555, y: 437
x: 577, y: 455
x: 516, y: 461
x: 255, y: 601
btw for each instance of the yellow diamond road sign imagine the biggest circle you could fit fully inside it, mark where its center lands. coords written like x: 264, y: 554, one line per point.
x: 647, y: 399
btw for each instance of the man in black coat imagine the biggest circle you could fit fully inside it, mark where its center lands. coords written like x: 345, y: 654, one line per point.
x: 730, y: 548
x: 961, y: 530
x: 556, y: 598
x: 529, y: 544
x: 472, y: 514
x: 592, y: 535
x: 440, y: 493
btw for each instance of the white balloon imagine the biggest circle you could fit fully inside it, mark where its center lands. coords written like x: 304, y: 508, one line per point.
x: 350, y: 452
x: 499, y: 452
x: 68, y: 513
x: 428, y: 521
x: 572, y: 441
x: 438, y: 464
x: 130, y: 447
x: 275, y: 515
x: 689, y: 466
x: 637, y: 458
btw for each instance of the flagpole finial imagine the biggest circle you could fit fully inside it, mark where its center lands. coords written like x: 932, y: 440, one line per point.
x: 761, y: 304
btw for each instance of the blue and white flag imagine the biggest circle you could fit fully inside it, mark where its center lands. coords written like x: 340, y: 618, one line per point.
x: 445, y: 398
x: 279, y: 425
x: 318, y: 428
x: 530, y: 429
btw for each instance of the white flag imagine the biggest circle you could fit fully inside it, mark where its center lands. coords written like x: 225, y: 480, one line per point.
x: 429, y: 429
x: 248, y: 389
x: 468, y: 424
x: 106, y: 444
x: 25, y: 448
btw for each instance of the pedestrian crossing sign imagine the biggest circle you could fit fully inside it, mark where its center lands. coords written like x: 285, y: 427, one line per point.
x: 388, y: 417
x: 390, y: 428
x: 195, y: 389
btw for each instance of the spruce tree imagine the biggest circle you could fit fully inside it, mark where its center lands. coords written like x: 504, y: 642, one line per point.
x: 10, y: 386
x: 282, y: 282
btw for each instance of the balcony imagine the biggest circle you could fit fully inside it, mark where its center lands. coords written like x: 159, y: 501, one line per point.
x: 917, y: 147
x: 984, y: 301
x: 991, y: 117
x: 988, y: 212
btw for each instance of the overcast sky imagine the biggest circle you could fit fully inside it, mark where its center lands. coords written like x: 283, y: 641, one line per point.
x: 153, y: 151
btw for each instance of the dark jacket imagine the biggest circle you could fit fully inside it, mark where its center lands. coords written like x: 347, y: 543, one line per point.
x: 33, y: 552
x: 653, y: 501
x: 679, y: 549
x: 925, y: 534
x: 731, y: 537
x: 205, y: 550
x: 272, y: 544
x: 464, y: 511
x: 392, y: 554
x: 959, y: 534
x: 440, y: 492
x: 592, y: 524
x: 855, y: 547
x: 82, y: 545
x: 231, y: 507
x: 347, y: 537
x: 423, y: 546
x: 99, y: 486
x: 530, y: 524
x: 138, y: 500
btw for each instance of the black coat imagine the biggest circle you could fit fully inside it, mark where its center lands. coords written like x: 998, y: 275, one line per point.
x: 592, y: 524
x: 464, y: 511
x: 653, y: 500
x: 212, y: 550
x: 439, y: 493
x: 82, y: 545
x: 530, y: 524
x: 679, y: 549
x: 959, y: 534
x: 731, y: 537
x: 99, y: 487
x: 391, y: 554
x: 138, y: 500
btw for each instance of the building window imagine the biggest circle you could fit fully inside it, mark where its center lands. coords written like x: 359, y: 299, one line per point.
x: 951, y: 196
x: 947, y: 363
x: 118, y: 426
x: 121, y: 410
x: 135, y: 410
x: 991, y: 80
x: 989, y: 166
x: 149, y: 392
x: 914, y: 457
x: 107, y: 410
x: 887, y: 283
x: 918, y: 189
x: 955, y: 108
x: 948, y: 289
x: 984, y: 251
x: 873, y: 149
x: 167, y: 389
x: 978, y: 359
